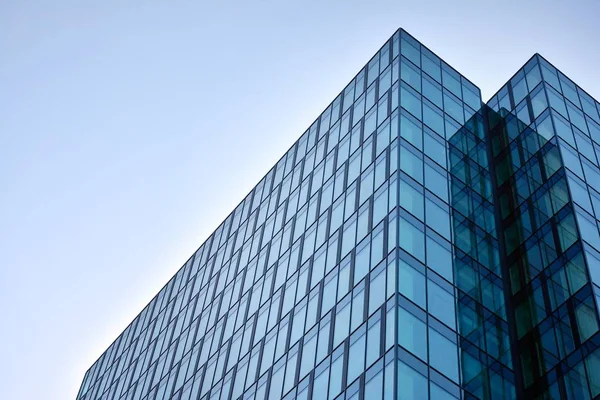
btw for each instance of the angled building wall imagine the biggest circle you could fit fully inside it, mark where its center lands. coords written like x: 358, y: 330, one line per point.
x: 413, y: 243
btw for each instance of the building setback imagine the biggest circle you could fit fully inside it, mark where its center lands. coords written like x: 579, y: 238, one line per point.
x: 414, y: 243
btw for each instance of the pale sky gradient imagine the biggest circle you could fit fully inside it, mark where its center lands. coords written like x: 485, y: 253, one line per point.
x: 130, y: 129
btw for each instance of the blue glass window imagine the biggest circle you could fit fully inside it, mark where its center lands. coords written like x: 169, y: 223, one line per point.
x: 411, y: 130
x: 438, y: 218
x: 321, y: 379
x: 412, y: 333
x: 440, y: 303
x: 373, y: 338
x: 443, y: 354
x: 434, y: 146
x: 411, y: 198
x: 377, y: 288
x: 411, y: 384
x: 337, y: 370
x: 411, y: 239
x: 411, y: 282
x: 308, y: 353
x: 439, y: 393
x: 356, y: 354
x: 439, y: 258
x: 538, y: 102
x: 411, y: 52
x: 431, y: 65
x: 342, y: 321
x: 410, y: 100
x: 410, y: 75
x: 454, y: 108
x: 411, y: 163
x: 363, y: 256
x: 374, y: 383
x: 358, y: 306
x: 436, y: 182
x: 451, y: 81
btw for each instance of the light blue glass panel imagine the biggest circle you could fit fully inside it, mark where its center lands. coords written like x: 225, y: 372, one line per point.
x: 533, y: 77
x: 538, y: 102
x: 411, y: 164
x: 323, y: 344
x: 411, y: 384
x: 433, y: 117
x: 308, y: 353
x: 557, y: 102
x: 356, y: 355
x: 411, y: 282
x: 361, y: 264
x: 358, y: 307
x: 454, y: 108
x: 436, y: 182
x: 410, y: 75
x: 410, y: 101
x: 435, y: 148
x: 431, y: 65
x: 373, y: 339
x: 439, y: 393
x: 519, y: 89
x: 374, y: 385
x: 411, y: 52
x: 337, y: 371
x: 438, y: 218
x: 440, y: 304
x: 451, y: 81
x: 277, y: 382
x: 443, y: 354
x: 321, y: 382
x: 439, y: 258
x: 563, y: 129
x: 411, y: 239
x: 377, y: 289
x: 412, y: 333
x: 411, y: 130
x: 342, y: 322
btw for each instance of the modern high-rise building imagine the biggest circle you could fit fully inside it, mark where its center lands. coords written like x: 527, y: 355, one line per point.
x: 414, y: 243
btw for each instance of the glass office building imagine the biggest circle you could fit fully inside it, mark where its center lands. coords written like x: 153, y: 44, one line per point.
x: 414, y: 243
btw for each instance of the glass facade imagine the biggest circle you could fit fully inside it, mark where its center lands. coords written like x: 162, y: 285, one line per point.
x: 414, y: 243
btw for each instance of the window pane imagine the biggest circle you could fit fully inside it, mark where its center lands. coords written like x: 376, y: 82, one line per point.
x: 411, y: 130
x: 443, y: 355
x: 356, y: 357
x: 411, y: 384
x: 440, y: 304
x: 411, y: 239
x: 411, y: 283
x: 411, y: 164
x: 439, y: 259
x: 411, y: 199
x: 374, y: 387
x: 412, y: 334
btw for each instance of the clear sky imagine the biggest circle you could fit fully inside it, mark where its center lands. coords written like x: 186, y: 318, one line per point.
x: 130, y: 129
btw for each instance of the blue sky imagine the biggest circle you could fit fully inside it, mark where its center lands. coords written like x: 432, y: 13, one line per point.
x: 130, y: 129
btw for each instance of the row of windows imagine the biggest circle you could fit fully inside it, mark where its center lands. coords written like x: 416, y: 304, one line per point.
x: 357, y: 360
